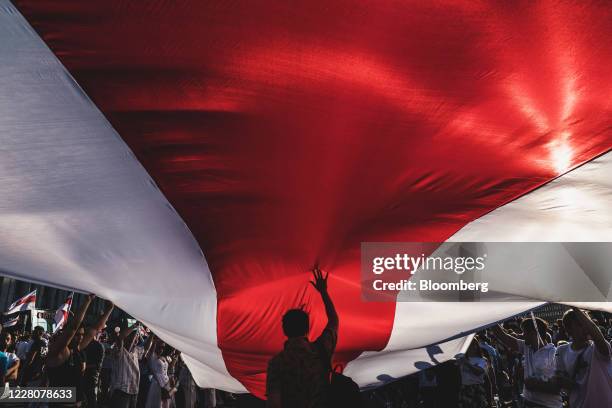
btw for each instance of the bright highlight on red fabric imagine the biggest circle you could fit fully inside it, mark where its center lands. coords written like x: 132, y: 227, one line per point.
x: 288, y: 132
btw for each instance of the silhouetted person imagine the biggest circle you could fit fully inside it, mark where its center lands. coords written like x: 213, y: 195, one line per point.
x: 6, y: 341
x: 584, y: 366
x: 298, y: 376
x: 125, y: 376
x: 540, y: 389
x: 35, y: 359
x: 94, y: 354
x: 448, y: 378
x: 474, y: 371
x: 66, y: 358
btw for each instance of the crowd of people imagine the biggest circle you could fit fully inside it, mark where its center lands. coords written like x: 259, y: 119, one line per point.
x: 126, y: 367
x: 523, y: 363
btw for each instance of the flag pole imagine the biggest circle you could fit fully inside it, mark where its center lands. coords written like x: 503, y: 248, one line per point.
x: 25, y: 323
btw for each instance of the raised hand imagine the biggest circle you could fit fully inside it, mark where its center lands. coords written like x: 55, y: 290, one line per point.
x: 320, y: 281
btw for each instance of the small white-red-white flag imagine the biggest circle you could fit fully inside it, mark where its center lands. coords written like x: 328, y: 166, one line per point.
x: 28, y: 302
x: 61, y: 315
x: 11, y: 322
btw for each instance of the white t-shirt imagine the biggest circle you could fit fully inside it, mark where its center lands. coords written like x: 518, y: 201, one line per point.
x: 125, y: 375
x: 468, y: 377
x: 12, y: 357
x: 159, y: 367
x: 540, y: 364
x: 600, y: 379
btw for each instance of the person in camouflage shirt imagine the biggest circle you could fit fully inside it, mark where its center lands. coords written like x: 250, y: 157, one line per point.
x: 298, y: 376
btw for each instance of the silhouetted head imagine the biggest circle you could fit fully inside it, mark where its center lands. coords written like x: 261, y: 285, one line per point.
x: 168, y: 350
x: 130, y: 339
x: 295, y: 323
x: 6, y: 339
x: 571, y: 323
x: 160, y: 347
x: 78, y: 337
x: 530, y: 335
x: 38, y: 332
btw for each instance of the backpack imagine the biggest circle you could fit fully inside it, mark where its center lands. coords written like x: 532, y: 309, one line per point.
x: 343, y: 391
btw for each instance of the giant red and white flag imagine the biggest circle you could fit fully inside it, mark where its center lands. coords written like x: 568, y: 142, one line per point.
x: 27, y: 302
x: 61, y: 315
x: 194, y: 172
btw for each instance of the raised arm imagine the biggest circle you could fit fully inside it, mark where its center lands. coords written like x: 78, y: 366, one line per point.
x: 148, y: 345
x: 320, y: 284
x: 507, y: 340
x: 29, y: 360
x: 11, y: 373
x: 124, y: 335
x: 61, y: 342
x: 591, y: 328
x: 99, y: 325
x: 127, y: 331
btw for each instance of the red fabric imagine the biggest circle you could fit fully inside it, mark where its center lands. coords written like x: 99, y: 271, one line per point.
x: 286, y: 132
x: 26, y: 300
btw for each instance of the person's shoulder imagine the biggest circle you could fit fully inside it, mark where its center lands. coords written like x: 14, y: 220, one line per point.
x: 599, y: 355
x: 550, y: 350
x: 328, y: 333
x: 276, y: 359
x: 563, y: 348
x: 275, y: 364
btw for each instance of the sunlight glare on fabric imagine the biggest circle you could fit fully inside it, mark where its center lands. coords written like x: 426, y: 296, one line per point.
x: 561, y: 153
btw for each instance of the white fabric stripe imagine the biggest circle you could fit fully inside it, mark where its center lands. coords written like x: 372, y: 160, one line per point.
x: 373, y: 369
x: 574, y: 207
x: 417, y: 325
x: 79, y: 211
